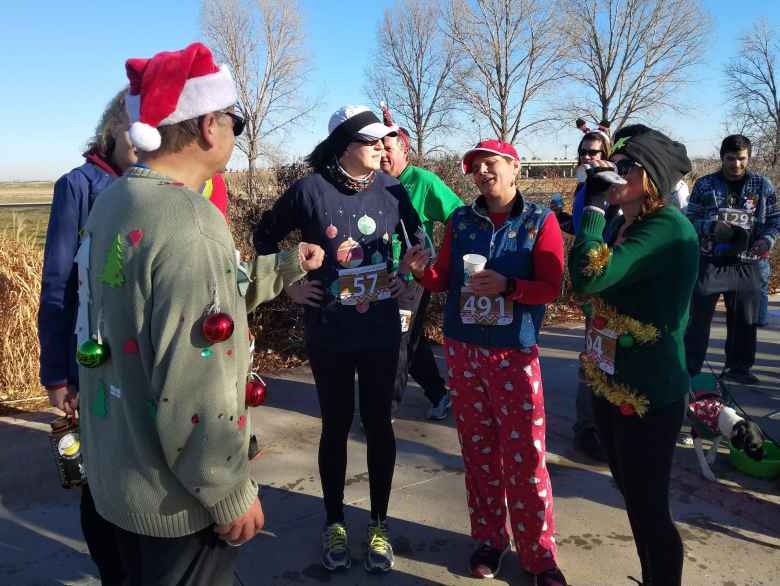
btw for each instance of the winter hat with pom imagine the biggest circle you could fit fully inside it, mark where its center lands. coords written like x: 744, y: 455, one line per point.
x: 174, y: 86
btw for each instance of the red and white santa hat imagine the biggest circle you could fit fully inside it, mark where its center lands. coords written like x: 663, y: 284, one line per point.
x: 174, y: 86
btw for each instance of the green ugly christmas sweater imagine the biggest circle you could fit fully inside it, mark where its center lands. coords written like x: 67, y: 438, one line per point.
x: 641, y: 291
x: 164, y: 425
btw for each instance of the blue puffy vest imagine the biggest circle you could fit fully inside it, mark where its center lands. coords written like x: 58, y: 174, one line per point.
x: 509, y: 250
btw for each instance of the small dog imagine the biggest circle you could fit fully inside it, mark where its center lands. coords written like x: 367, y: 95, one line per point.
x: 713, y: 419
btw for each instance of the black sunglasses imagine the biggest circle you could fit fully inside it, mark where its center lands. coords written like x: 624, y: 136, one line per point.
x: 238, y: 123
x: 624, y: 166
x: 591, y: 152
x: 367, y: 141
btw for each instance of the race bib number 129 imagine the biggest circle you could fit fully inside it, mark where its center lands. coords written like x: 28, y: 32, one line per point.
x: 485, y: 310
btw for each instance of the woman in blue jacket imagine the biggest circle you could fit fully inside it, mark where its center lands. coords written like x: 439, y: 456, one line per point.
x: 108, y: 154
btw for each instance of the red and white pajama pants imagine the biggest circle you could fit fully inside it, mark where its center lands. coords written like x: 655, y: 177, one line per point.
x: 499, y: 411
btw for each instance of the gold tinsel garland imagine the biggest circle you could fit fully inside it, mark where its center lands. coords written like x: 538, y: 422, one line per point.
x: 623, y: 324
x: 598, y: 258
x: 629, y: 401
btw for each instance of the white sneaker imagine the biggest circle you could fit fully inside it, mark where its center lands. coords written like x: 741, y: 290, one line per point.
x: 441, y: 409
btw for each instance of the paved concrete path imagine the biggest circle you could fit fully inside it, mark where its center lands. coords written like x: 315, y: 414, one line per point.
x: 731, y: 529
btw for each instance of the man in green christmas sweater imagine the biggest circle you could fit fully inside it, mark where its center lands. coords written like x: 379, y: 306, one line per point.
x: 433, y: 201
x: 163, y: 338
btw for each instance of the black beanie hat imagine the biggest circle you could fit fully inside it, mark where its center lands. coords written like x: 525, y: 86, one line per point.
x: 665, y: 160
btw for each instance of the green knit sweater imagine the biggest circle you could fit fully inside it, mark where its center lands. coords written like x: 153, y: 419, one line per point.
x: 650, y: 277
x: 164, y: 425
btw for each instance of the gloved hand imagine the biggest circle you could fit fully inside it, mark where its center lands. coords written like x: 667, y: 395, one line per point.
x: 747, y: 437
x: 723, y: 232
x: 598, y: 183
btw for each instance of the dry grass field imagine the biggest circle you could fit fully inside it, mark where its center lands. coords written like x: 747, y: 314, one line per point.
x: 19, y: 220
x: 16, y: 192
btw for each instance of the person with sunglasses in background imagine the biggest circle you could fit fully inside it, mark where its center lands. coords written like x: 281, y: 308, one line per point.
x: 592, y: 152
x: 361, y: 217
x: 640, y: 282
x: 736, y: 215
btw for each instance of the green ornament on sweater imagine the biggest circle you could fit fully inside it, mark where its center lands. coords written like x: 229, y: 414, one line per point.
x: 98, y: 407
x: 112, y: 274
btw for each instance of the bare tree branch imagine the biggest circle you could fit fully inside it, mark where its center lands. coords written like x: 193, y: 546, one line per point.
x: 412, y: 71
x: 632, y: 57
x: 262, y: 42
x: 752, y: 82
x: 512, y: 53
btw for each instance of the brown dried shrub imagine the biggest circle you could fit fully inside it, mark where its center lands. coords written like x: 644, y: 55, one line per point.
x: 21, y: 265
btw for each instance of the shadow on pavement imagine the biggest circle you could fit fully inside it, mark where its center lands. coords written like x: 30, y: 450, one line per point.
x: 296, y: 542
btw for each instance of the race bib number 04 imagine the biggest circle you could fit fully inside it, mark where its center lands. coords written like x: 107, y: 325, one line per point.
x: 740, y: 218
x: 364, y: 284
x: 485, y: 310
x: 600, y: 346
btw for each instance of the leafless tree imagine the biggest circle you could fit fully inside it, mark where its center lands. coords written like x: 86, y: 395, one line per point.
x: 632, y: 57
x: 412, y: 70
x: 512, y: 55
x: 262, y: 42
x: 752, y: 82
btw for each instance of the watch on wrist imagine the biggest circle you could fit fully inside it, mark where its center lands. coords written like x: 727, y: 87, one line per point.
x: 511, y: 285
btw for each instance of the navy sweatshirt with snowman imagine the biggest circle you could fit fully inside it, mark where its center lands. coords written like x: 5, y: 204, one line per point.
x: 356, y: 230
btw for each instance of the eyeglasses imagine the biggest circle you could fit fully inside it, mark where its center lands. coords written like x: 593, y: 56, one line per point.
x: 238, y: 123
x: 590, y: 152
x: 367, y: 142
x: 624, y: 166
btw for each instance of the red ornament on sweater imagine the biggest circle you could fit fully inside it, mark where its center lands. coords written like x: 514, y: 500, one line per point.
x: 255, y: 392
x: 218, y: 327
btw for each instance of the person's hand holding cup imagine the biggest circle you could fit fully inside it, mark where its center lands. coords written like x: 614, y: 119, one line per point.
x: 473, y: 263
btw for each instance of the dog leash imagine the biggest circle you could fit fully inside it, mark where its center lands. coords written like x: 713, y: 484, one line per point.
x: 729, y: 397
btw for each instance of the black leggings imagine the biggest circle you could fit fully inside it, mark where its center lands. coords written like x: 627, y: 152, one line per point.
x: 334, y: 375
x: 640, y: 452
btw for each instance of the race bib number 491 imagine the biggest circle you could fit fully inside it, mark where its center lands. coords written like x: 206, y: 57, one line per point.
x: 485, y: 310
x: 364, y: 284
x: 600, y: 346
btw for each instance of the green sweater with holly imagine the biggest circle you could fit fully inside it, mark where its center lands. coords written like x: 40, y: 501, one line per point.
x: 164, y: 424
x: 649, y: 277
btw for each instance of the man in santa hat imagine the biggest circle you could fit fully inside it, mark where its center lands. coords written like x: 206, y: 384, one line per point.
x: 164, y: 345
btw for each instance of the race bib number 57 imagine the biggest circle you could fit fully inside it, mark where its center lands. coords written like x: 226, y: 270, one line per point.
x: 364, y: 284
x: 485, y: 310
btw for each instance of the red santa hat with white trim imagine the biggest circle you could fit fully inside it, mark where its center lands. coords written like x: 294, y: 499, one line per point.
x: 174, y: 86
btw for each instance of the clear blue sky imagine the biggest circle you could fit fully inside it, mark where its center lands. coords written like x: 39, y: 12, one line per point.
x: 62, y: 61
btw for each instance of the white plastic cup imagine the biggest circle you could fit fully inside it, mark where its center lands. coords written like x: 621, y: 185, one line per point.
x: 473, y: 263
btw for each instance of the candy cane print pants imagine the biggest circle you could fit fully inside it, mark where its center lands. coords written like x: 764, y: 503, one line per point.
x: 499, y: 411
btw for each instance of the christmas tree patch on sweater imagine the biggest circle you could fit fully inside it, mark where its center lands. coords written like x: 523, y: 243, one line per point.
x: 112, y: 274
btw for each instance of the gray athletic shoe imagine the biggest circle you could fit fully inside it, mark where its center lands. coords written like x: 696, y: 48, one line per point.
x: 379, y: 558
x: 335, y: 549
